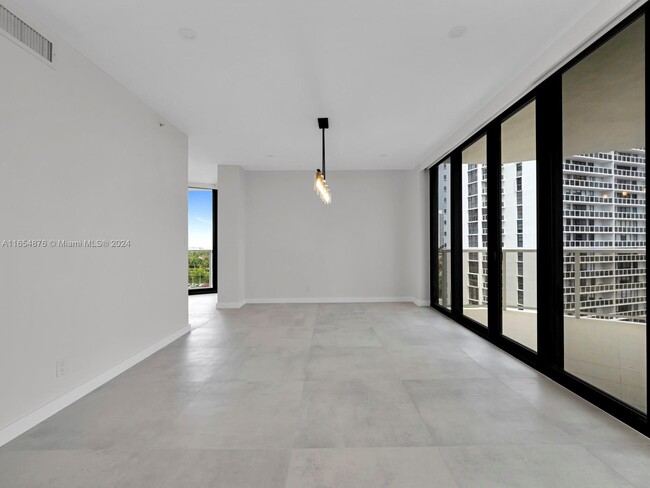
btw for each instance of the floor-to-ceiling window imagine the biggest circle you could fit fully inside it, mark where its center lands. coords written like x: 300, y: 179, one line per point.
x: 519, y: 227
x: 604, y: 190
x: 201, y: 260
x: 474, y: 229
x: 563, y: 170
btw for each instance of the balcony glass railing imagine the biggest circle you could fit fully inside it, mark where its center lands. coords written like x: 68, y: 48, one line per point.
x: 199, y: 269
x: 582, y: 294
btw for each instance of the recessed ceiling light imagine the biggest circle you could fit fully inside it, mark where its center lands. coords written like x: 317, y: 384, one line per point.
x: 458, y: 31
x: 187, y: 33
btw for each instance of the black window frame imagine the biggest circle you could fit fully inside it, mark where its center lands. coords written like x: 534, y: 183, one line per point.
x: 213, y: 289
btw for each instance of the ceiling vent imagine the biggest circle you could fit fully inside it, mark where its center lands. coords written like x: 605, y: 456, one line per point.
x: 24, y: 34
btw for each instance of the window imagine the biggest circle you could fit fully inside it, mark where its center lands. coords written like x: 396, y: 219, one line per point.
x: 201, y: 263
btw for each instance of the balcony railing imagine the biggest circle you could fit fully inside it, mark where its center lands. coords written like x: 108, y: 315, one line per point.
x: 587, y: 183
x: 625, y: 172
x: 200, y: 269
x: 588, y: 228
x: 579, y: 168
x: 630, y: 201
x: 581, y: 298
x: 586, y: 199
x: 588, y: 213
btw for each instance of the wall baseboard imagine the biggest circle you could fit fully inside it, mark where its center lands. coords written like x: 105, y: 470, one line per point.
x: 25, y: 423
x: 239, y: 304
x: 416, y: 301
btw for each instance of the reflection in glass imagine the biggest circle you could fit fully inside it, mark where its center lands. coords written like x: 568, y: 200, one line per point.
x: 604, y: 217
x: 519, y: 227
x: 444, y: 235
x: 474, y: 221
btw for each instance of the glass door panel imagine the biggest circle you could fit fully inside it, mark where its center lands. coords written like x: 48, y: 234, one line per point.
x: 443, y: 247
x: 604, y: 217
x: 474, y: 230
x: 519, y: 227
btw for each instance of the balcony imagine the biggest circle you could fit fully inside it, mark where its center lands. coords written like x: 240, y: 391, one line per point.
x: 629, y: 230
x: 633, y: 216
x: 586, y: 199
x: 587, y: 184
x: 627, y: 187
x: 588, y: 244
x: 630, y: 173
x: 591, y: 229
x: 579, y: 168
x: 604, y: 340
x: 588, y: 213
x: 630, y: 201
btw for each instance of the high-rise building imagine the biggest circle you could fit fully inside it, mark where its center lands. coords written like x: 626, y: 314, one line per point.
x: 604, y: 230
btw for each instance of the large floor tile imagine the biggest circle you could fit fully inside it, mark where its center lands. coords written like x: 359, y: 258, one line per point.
x: 558, y: 466
x: 586, y: 423
x: 125, y: 413
x: 404, y: 335
x: 184, y: 365
x: 343, y: 363
x: 63, y: 469
x: 497, y: 362
x: 435, y: 362
x: 291, y: 336
x: 188, y: 468
x: 265, y: 364
x: 480, y: 412
x: 214, y: 334
x: 237, y: 415
x: 361, y: 413
x: 332, y: 336
x: 417, y: 467
x: 633, y: 461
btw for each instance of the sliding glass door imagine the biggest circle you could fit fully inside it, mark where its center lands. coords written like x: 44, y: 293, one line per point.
x: 443, y: 245
x: 474, y: 183
x: 604, y: 214
x: 519, y: 227
x: 540, y: 235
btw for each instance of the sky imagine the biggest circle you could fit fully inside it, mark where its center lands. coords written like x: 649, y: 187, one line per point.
x: 199, y: 219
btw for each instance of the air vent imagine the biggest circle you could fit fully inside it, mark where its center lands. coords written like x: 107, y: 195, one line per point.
x: 24, y: 34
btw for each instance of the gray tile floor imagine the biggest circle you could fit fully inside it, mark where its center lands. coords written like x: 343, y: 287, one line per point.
x: 344, y: 395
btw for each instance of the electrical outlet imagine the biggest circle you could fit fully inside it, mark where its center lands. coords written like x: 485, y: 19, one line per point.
x: 60, y: 368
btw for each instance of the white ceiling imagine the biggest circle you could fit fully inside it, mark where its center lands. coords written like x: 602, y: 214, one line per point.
x: 249, y: 88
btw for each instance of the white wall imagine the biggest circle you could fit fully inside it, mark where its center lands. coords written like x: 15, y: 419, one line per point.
x: 371, y: 243
x: 81, y: 158
x: 231, y: 222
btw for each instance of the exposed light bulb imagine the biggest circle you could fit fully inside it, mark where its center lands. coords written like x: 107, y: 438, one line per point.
x: 321, y: 188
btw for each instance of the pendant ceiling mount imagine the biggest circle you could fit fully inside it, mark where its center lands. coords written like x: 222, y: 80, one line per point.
x: 320, y: 182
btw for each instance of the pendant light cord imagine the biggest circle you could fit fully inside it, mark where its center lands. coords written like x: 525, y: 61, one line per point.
x: 324, y: 176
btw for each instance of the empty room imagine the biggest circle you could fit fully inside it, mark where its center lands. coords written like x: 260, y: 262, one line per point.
x: 308, y: 244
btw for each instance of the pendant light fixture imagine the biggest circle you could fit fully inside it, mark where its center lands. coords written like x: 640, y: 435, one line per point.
x: 320, y: 183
